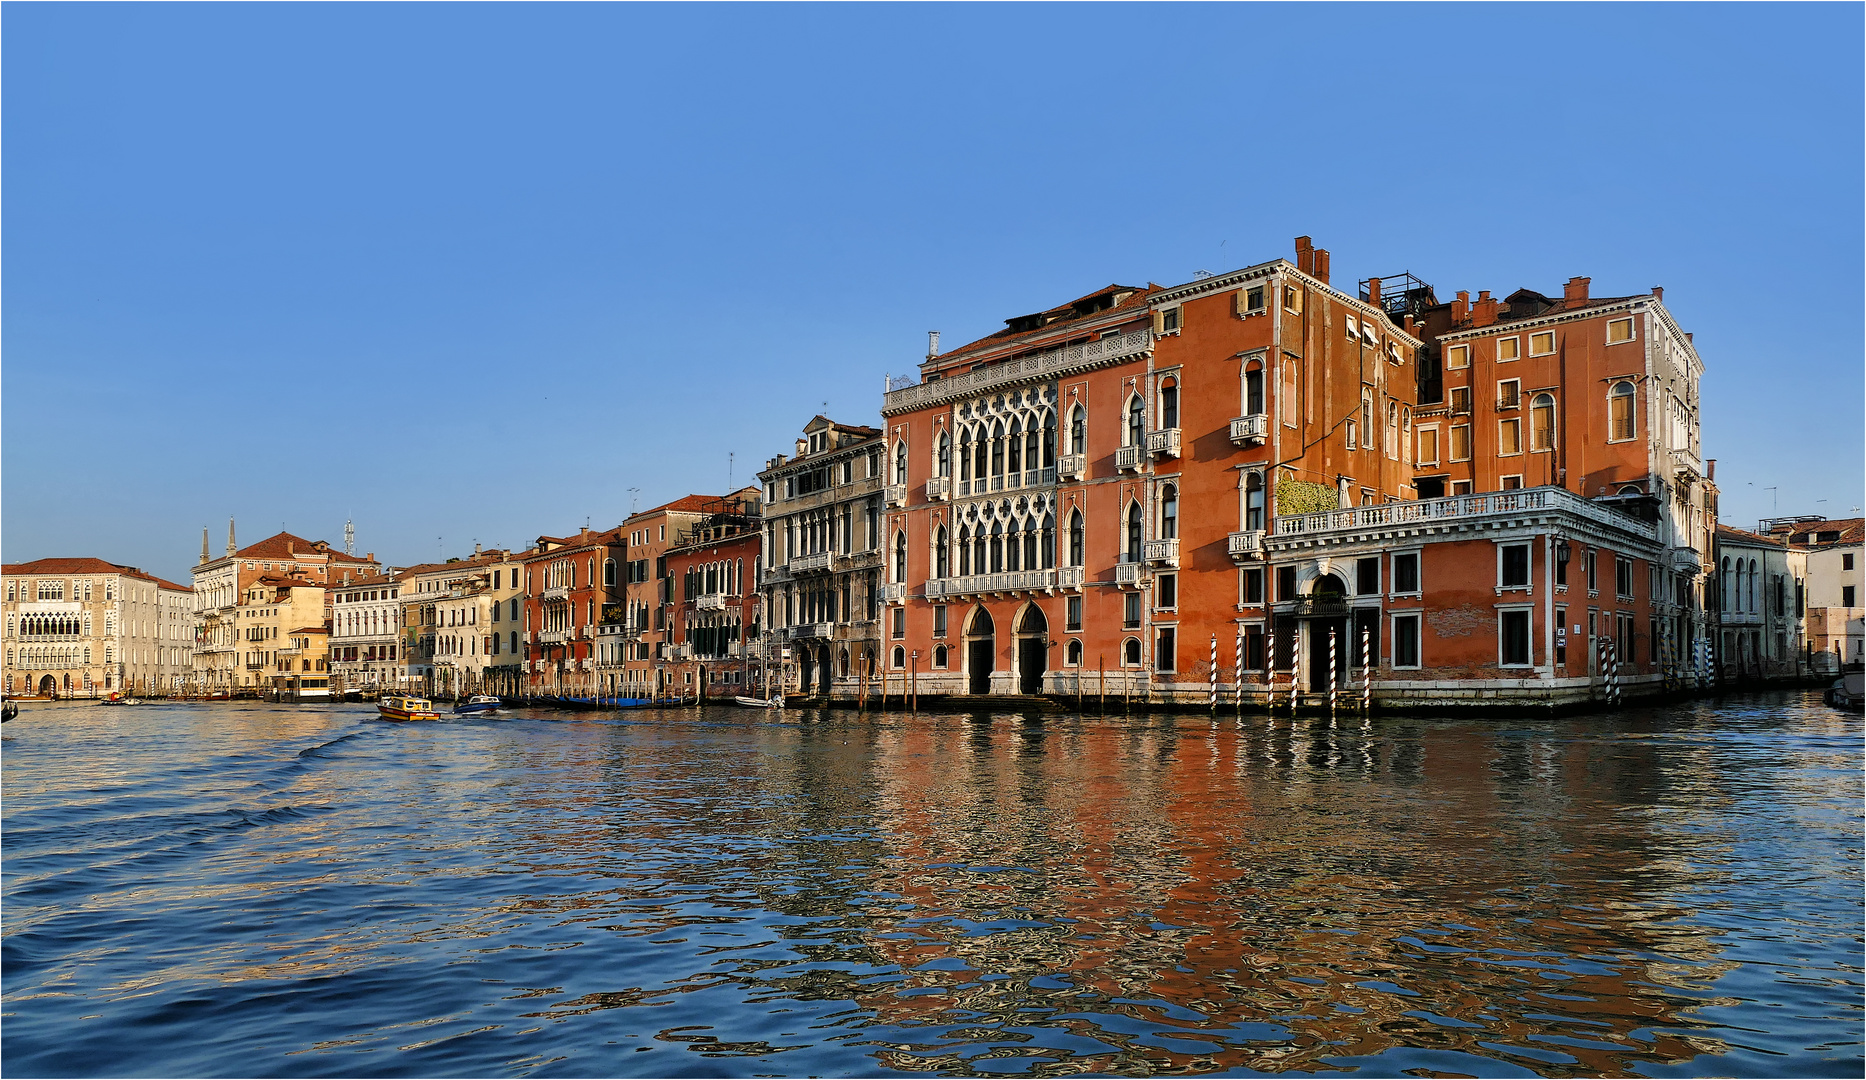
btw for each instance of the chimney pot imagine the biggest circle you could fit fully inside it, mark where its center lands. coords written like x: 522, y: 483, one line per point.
x: 1710, y: 468
x: 1305, y: 255
x: 1321, y: 265
x: 1373, y: 291
x: 1575, y: 292
x: 1658, y: 292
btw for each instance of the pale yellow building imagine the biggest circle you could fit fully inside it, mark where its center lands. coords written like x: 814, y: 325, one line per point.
x: 283, y: 642
x: 85, y: 627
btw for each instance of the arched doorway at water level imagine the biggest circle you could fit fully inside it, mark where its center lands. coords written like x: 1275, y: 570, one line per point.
x: 1033, y: 649
x: 981, y: 650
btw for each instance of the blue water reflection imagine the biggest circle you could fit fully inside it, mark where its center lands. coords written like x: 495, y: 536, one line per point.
x: 253, y: 890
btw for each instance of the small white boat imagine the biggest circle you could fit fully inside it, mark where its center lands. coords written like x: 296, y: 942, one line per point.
x: 405, y: 707
x: 478, y: 703
x: 761, y: 703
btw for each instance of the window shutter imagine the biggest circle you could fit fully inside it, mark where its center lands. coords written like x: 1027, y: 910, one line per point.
x: 1159, y: 322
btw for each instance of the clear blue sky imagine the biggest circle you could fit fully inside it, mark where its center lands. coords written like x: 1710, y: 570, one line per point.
x: 474, y: 272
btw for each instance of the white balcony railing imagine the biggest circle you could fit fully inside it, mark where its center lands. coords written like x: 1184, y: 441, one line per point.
x: 897, y: 495
x: 1128, y: 574
x: 1426, y: 511
x: 1010, y: 581
x: 894, y: 592
x: 1246, y: 545
x: 556, y: 592
x: 1072, y: 466
x: 816, y: 562
x: 711, y: 602
x: 940, y: 488
x: 552, y: 637
x: 1069, y: 577
x: 1163, y: 552
x: 1250, y: 430
x: 1164, y: 442
x: 1037, y: 366
x: 818, y: 630
x: 1127, y: 458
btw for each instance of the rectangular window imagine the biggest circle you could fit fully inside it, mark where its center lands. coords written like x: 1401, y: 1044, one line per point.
x: 1130, y: 610
x: 1846, y: 560
x: 1253, y: 586
x: 1163, y: 649
x: 1619, y: 330
x: 1460, y: 444
x: 939, y: 620
x: 1457, y: 356
x: 1846, y: 596
x: 1428, y: 446
x: 1405, y: 641
x: 1166, y: 591
x: 1623, y: 578
x: 1542, y: 343
x: 1460, y: 399
x: 1509, y: 437
x: 1509, y: 393
x: 1169, y: 320
x: 1353, y: 328
x: 1285, y: 583
x: 1512, y: 483
x: 1367, y: 576
x: 1292, y: 303
x: 1513, y: 638
x: 1508, y: 348
x: 1593, y: 572
x: 1513, y: 566
x: 1072, y: 613
x: 1406, y: 573
x: 898, y: 616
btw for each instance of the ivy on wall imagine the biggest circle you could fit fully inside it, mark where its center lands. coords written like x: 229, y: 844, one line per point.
x: 1302, y: 497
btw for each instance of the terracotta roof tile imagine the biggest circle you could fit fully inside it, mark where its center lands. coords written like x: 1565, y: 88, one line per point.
x: 85, y: 565
x: 1065, y: 314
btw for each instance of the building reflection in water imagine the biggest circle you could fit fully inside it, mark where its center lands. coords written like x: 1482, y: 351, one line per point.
x: 1165, y: 895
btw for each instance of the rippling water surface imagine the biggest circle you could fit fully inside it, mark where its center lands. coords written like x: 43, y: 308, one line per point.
x: 254, y: 890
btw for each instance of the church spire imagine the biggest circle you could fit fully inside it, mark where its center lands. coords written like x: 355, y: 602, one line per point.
x: 204, y: 555
x: 232, y: 549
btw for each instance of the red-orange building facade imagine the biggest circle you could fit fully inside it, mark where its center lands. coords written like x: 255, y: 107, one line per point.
x: 1105, y: 493
x: 569, y: 583
x: 714, y: 613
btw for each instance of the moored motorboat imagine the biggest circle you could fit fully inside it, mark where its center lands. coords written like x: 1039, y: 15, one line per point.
x: 761, y: 703
x: 478, y: 703
x: 406, y: 707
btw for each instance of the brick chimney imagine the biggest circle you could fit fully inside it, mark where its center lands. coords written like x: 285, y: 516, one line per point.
x: 1460, y: 308
x: 1575, y: 292
x: 1373, y: 291
x: 1484, y: 312
x: 1658, y: 293
x: 1321, y: 265
x: 1305, y: 255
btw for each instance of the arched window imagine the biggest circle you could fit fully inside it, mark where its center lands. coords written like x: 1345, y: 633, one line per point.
x: 1013, y: 550
x: 1035, y: 545
x: 1072, y: 654
x: 900, y: 556
x: 1620, y: 411
x: 965, y: 551
x: 1133, y: 532
x: 1030, y: 447
x: 1253, y: 388
x: 1016, y: 447
x: 1169, y: 512
x: 965, y: 455
x: 943, y: 466
x: 1542, y: 422
x: 900, y: 463
x: 939, y: 656
x: 1049, y: 440
x: 1078, y: 430
x: 1136, y: 421
x: 1077, y: 538
x: 1130, y: 652
x: 1752, y: 586
x: 997, y: 547
x: 978, y: 551
x: 997, y: 450
x: 1253, y: 501
x: 941, y: 556
x: 979, y: 464
x: 609, y: 571
x: 900, y: 657
x: 1392, y: 432
x: 1169, y: 404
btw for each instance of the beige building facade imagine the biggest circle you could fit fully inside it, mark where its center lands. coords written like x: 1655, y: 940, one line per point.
x: 85, y: 627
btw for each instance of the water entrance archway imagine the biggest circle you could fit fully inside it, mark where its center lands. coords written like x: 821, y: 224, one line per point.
x: 1033, y: 648
x: 981, y: 650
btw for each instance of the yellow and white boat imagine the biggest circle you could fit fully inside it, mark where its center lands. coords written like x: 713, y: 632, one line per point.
x: 404, y: 707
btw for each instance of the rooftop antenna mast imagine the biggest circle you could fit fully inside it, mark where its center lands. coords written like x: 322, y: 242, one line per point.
x: 729, y: 487
x: 349, y: 537
x: 634, y: 496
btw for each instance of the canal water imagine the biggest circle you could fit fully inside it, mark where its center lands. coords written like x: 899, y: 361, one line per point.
x: 247, y: 889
